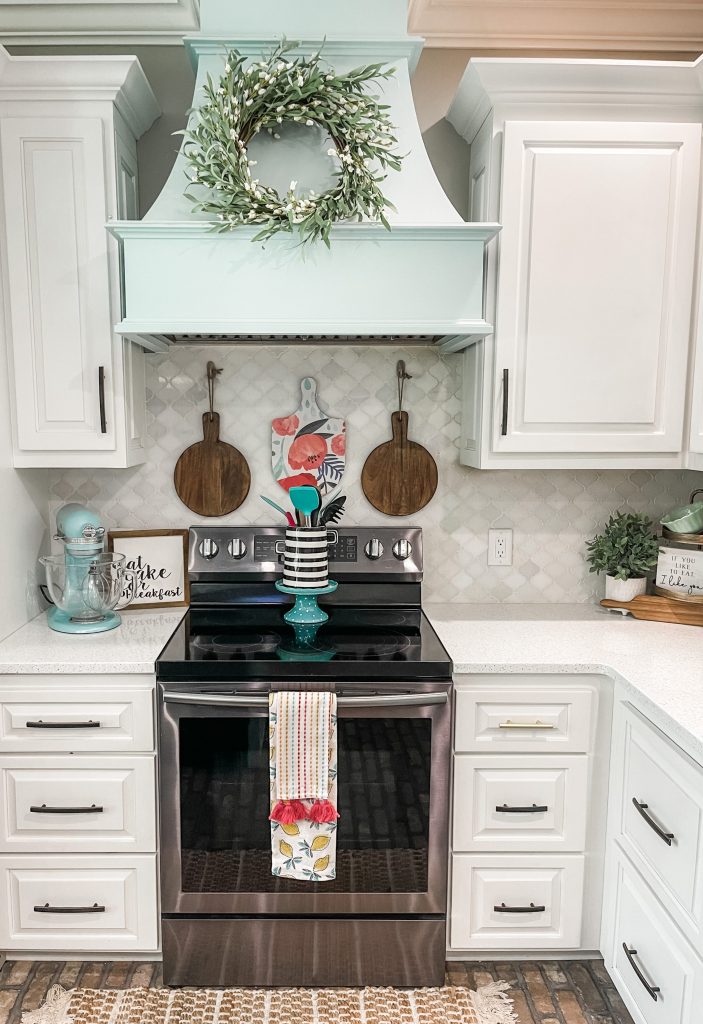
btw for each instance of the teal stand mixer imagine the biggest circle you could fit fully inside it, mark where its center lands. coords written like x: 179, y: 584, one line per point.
x: 86, y: 584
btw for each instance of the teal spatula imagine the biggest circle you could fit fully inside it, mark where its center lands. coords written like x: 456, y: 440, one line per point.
x: 305, y: 500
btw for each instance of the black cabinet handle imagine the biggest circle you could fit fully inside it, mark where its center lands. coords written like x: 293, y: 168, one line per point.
x: 43, y: 809
x: 532, y: 909
x: 47, y: 909
x: 666, y: 837
x: 62, y: 725
x: 533, y: 809
x: 631, y: 954
x: 101, y: 399
x: 504, y: 414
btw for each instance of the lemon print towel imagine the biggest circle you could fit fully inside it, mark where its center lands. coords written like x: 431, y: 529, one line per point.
x: 303, y: 767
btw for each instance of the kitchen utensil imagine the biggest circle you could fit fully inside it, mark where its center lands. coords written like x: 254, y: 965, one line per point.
x: 685, y: 518
x: 74, y: 578
x: 308, y: 447
x: 400, y: 476
x: 289, y: 518
x: 305, y: 500
x: 333, y: 511
x: 211, y: 477
x: 659, y: 609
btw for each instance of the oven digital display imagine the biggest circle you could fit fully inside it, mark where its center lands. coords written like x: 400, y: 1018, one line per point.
x: 265, y: 548
x: 344, y: 550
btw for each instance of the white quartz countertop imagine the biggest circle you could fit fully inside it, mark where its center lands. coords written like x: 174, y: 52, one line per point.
x: 660, y: 664
x: 132, y: 647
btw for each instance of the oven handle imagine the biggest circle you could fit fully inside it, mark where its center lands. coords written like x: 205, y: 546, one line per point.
x: 244, y: 700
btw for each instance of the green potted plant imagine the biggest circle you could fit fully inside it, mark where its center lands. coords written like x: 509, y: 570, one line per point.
x: 626, y: 551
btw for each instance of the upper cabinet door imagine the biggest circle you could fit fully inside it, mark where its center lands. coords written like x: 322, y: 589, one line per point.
x: 54, y: 191
x: 595, y: 286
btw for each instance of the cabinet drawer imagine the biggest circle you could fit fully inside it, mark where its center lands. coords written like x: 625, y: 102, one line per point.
x: 659, y: 956
x: 547, y: 890
x: 523, y: 720
x: 661, y: 812
x: 74, y: 804
x: 43, y: 720
x: 79, y: 903
x: 493, y: 797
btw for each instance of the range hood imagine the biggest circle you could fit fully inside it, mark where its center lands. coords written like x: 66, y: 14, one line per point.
x: 422, y: 281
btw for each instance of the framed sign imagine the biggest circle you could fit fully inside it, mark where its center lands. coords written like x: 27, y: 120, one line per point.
x: 160, y: 560
x: 681, y: 572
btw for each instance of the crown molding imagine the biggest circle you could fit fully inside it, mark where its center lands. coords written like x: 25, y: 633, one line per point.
x: 641, y: 26
x: 97, y: 22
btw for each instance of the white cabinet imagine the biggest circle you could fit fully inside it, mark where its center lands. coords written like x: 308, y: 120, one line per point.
x: 652, y: 939
x: 529, y: 788
x: 590, y: 282
x: 68, y: 166
x: 695, y: 428
x: 78, y: 865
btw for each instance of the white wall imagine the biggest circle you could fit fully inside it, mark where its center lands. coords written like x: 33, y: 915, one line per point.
x: 23, y: 508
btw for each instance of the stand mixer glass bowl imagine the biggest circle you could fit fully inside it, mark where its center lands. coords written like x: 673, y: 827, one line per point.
x: 86, y: 589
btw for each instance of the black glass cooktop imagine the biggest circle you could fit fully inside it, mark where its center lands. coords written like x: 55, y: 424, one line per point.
x: 256, y: 643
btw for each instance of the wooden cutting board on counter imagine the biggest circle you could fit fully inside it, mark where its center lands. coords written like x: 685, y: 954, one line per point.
x: 400, y: 476
x: 660, y: 609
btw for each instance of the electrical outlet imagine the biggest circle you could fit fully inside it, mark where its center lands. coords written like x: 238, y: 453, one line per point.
x: 500, y: 547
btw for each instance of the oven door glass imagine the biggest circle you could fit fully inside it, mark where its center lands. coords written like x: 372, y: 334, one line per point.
x: 384, y: 782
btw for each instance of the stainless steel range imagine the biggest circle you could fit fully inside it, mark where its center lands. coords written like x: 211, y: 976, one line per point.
x: 226, y: 919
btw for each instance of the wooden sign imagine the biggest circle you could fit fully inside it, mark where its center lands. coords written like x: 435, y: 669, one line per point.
x: 680, y: 571
x: 160, y: 560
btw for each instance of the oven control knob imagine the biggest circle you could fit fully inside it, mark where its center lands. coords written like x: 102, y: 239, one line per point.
x: 237, y: 548
x: 402, y: 549
x: 208, y: 548
x: 374, y: 549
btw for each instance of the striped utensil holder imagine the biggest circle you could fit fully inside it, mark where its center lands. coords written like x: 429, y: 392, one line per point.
x: 306, y: 557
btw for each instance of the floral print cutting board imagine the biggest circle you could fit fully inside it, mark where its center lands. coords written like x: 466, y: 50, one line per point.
x: 308, y: 447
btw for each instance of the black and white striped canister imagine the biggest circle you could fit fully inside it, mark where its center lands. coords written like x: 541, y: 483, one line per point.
x: 306, y: 557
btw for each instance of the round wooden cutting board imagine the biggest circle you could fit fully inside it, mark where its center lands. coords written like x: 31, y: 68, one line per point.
x: 212, y: 477
x: 400, y: 476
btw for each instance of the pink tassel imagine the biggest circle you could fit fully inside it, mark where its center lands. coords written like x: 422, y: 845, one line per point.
x: 322, y: 811
x: 288, y: 811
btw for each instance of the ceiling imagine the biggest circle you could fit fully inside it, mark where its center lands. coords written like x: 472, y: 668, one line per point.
x: 655, y: 28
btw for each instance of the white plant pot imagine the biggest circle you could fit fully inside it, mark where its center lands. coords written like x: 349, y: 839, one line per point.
x: 625, y: 590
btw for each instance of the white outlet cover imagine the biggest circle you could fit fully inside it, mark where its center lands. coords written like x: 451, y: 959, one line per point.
x: 500, y: 547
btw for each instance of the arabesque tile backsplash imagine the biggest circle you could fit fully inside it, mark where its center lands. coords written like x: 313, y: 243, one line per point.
x: 552, y: 513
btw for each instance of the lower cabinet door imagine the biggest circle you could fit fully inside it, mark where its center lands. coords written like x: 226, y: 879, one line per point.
x: 532, y: 901
x: 63, y: 903
x: 656, y: 971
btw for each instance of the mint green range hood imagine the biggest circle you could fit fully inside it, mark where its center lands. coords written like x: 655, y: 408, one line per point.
x: 420, y: 282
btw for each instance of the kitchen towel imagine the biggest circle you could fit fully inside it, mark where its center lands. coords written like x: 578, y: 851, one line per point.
x: 303, y: 767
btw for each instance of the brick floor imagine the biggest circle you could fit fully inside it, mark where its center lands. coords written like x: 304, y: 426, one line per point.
x: 555, y: 992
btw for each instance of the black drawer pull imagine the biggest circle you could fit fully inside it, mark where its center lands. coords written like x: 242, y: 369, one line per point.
x: 47, y: 909
x: 666, y: 837
x: 43, y: 809
x: 62, y: 725
x: 631, y: 954
x: 533, y: 809
x: 532, y: 909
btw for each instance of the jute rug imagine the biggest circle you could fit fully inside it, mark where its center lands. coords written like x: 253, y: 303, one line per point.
x: 450, y: 1005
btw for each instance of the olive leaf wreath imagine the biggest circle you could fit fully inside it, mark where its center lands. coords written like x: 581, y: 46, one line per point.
x: 262, y: 96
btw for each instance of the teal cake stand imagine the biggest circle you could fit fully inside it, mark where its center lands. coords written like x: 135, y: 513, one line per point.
x: 306, y: 609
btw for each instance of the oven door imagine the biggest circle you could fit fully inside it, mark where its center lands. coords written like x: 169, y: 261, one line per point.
x: 393, y: 789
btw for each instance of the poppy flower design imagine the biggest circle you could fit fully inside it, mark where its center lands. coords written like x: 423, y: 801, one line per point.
x: 307, y: 451
x: 285, y: 425
x: 339, y: 444
x: 299, y: 480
